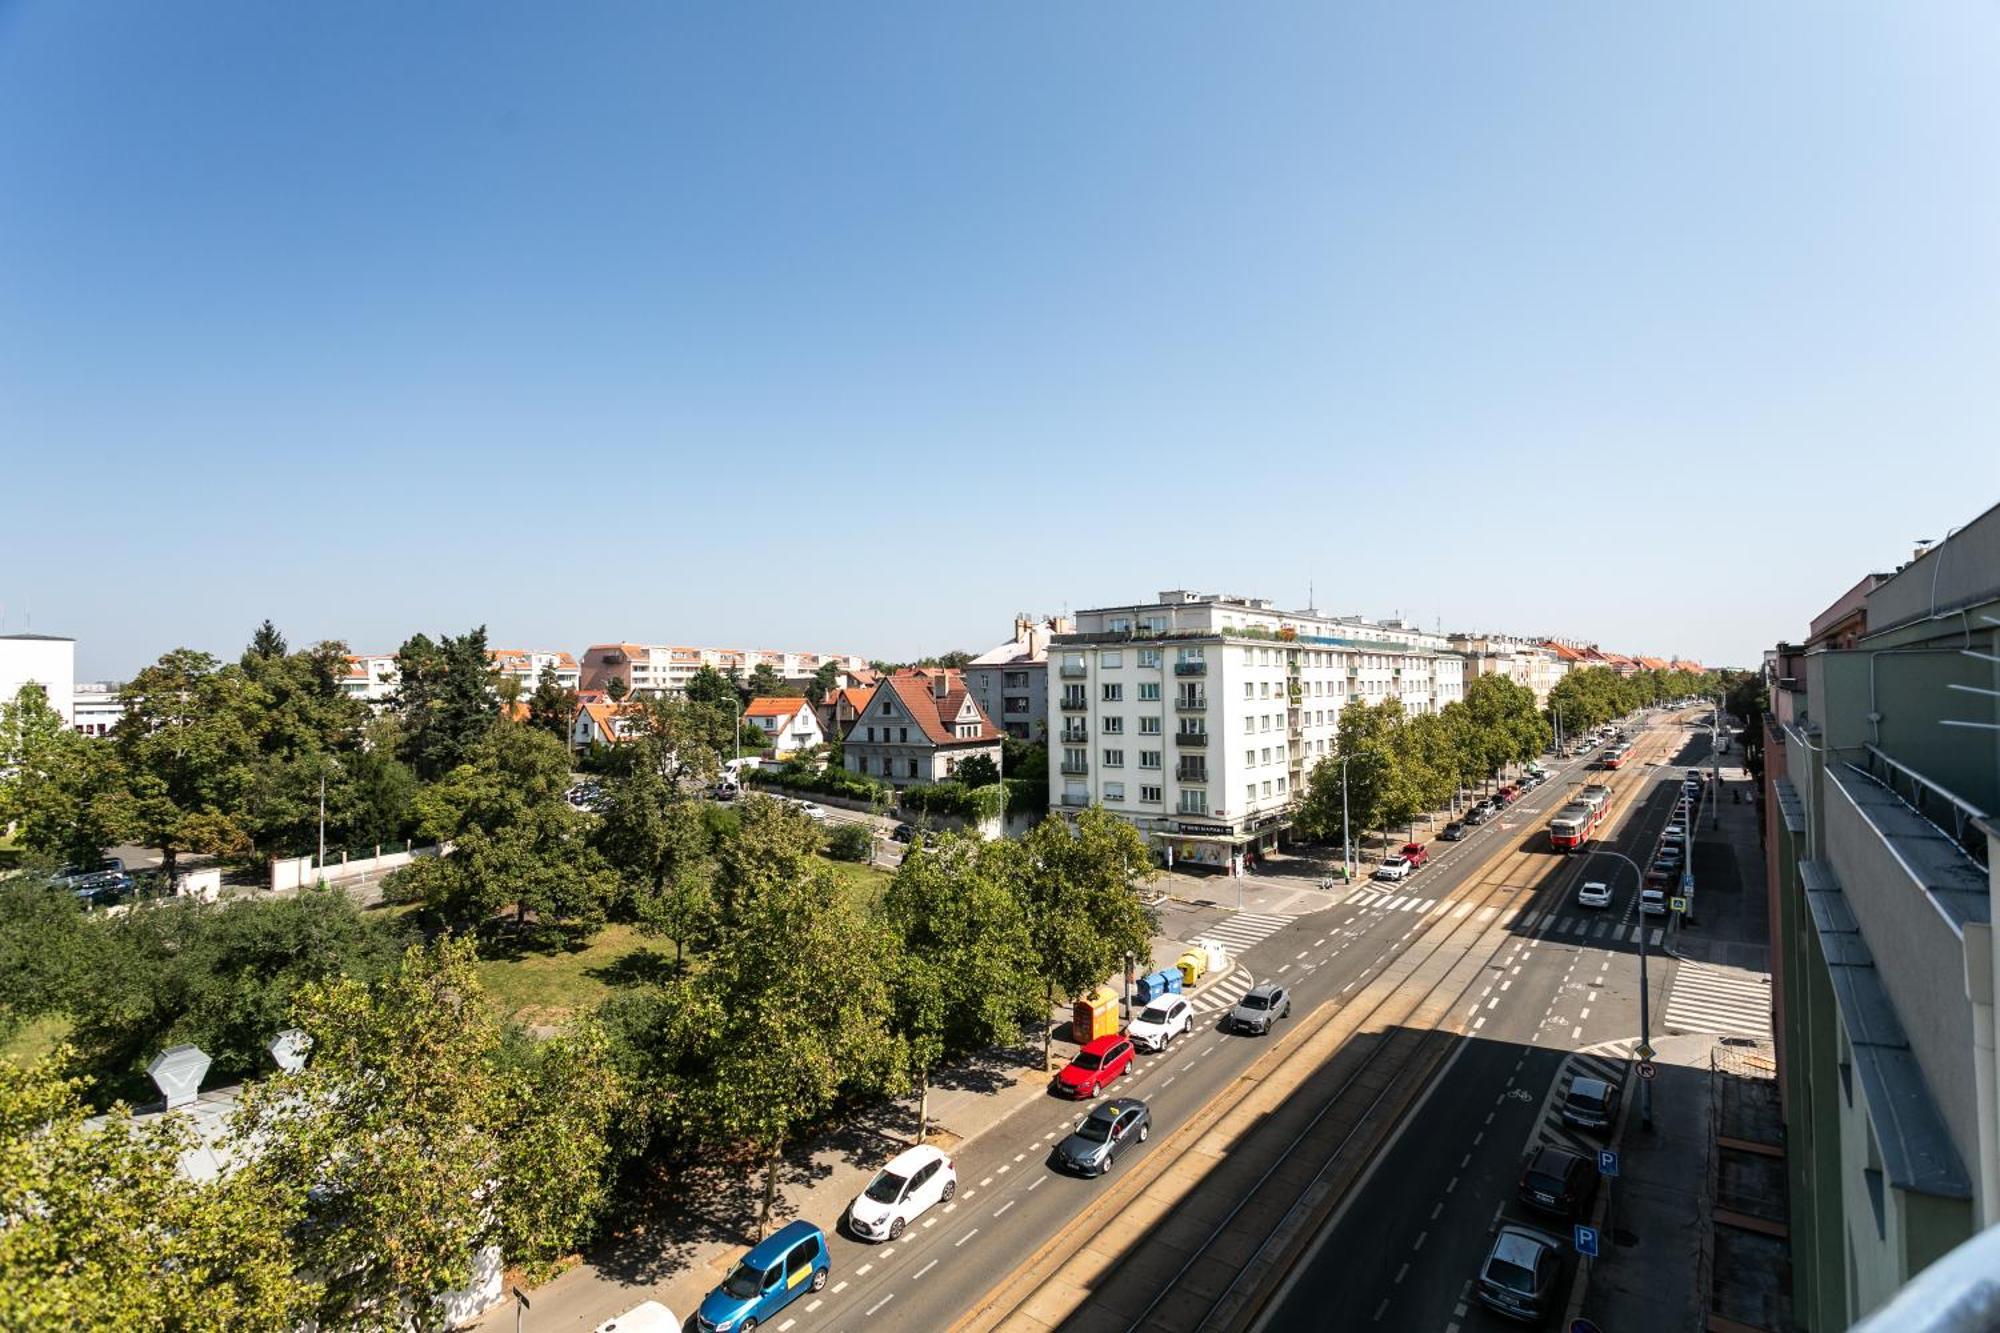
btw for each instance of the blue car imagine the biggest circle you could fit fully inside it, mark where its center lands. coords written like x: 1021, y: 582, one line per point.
x: 784, y: 1265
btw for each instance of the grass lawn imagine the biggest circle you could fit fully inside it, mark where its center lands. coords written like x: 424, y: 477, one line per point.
x: 865, y: 882
x: 33, y: 1040
x: 547, y: 988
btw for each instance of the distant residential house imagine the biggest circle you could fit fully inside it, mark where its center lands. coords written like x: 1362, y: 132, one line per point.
x: 371, y: 677
x: 666, y: 668
x: 525, y: 665
x: 99, y: 707
x: 1012, y: 681
x: 919, y: 726
x: 840, y: 710
x: 790, y: 723
x: 601, y: 722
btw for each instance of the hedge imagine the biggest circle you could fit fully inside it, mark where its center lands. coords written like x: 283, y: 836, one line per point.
x: 955, y: 798
x: 831, y: 782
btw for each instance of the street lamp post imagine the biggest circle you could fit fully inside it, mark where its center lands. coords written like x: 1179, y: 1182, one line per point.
x: 1645, y: 995
x: 1346, y: 836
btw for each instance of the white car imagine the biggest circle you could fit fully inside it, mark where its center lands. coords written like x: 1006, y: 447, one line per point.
x: 1594, y: 893
x: 816, y: 813
x: 1652, y: 902
x: 1395, y: 868
x: 1675, y: 833
x: 901, y: 1192
x: 645, y: 1317
x: 1167, y: 1017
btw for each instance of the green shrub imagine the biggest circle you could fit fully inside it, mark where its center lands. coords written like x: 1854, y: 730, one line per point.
x: 850, y: 842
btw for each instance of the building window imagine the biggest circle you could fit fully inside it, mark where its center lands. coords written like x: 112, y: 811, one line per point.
x: 1267, y: 754
x: 1111, y: 659
x: 1249, y: 726
x: 1149, y: 726
x: 1114, y: 791
x: 903, y: 735
x: 1149, y: 795
x: 1149, y: 657
x: 1113, y: 726
x: 1149, y: 691
x: 913, y: 768
x: 1249, y: 759
x: 871, y: 735
x: 1264, y: 723
x: 1281, y: 784
x: 1194, y: 801
x: 1114, y: 759
x: 1114, y: 694
x: 1153, y: 624
x: 1267, y: 789
x: 1249, y: 689
x: 1119, y: 624
x: 1249, y: 792
x: 1149, y: 758
x: 888, y: 709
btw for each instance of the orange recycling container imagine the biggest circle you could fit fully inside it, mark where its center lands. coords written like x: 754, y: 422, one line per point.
x: 1095, y: 1015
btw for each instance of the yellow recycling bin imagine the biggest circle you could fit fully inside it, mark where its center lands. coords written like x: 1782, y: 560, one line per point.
x: 1192, y: 964
x: 1095, y: 1015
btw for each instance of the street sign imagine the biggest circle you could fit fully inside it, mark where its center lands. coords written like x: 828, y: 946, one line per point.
x: 1687, y: 880
x: 1607, y: 1162
x: 1586, y: 1241
x: 1679, y: 904
x: 1647, y: 1069
x: 1644, y: 1050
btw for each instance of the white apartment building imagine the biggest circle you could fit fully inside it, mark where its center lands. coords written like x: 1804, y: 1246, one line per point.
x: 1529, y: 662
x: 525, y: 665
x: 47, y: 660
x: 658, y: 668
x: 371, y: 677
x: 1198, y: 717
x: 99, y: 707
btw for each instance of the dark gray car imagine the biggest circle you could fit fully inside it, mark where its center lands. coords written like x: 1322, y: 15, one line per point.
x: 1521, y: 1273
x: 1100, y: 1136
x: 1261, y: 1006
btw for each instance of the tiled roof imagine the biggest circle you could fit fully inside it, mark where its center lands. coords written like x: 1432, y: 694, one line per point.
x: 915, y: 690
x: 775, y: 706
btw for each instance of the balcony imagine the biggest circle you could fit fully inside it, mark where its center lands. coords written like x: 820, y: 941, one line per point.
x: 1075, y: 735
x: 1191, y: 772
x: 1191, y: 703
x: 1074, y: 703
x: 1187, y: 807
x: 1195, y: 738
x: 1075, y: 768
x: 1077, y: 672
x: 1191, y: 668
x: 1075, y: 798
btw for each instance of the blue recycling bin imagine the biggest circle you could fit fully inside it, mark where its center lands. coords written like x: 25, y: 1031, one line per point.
x: 1170, y: 980
x: 1146, y: 989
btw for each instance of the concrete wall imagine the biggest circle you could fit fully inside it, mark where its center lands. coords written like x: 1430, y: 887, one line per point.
x: 298, y: 871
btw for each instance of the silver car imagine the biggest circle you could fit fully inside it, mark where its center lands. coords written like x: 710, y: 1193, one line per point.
x: 1261, y: 1006
x: 1100, y: 1136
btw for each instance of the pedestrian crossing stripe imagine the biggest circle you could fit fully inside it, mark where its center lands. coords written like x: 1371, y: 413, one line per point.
x: 1222, y: 994
x: 1244, y: 929
x: 1725, y: 1001
x: 1606, y: 1060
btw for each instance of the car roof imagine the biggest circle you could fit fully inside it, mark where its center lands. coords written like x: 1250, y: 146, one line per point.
x: 1521, y: 1245
x: 775, y: 1246
x: 1595, y: 884
x: 1101, y: 1044
x: 1589, y: 1087
x: 1550, y: 1158
x: 1166, y: 1000
x: 1264, y: 988
x: 1114, y: 1106
x: 908, y: 1160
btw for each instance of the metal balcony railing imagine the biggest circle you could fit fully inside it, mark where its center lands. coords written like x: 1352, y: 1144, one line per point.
x: 1075, y: 737
x: 1075, y: 798
x: 1190, y: 668
x: 1191, y: 773
x: 1075, y: 767
x: 1196, y: 738
x: 1069, y: 672
x: 1191, y: 703
x: 1074, y: 703
x: 1951, y: 814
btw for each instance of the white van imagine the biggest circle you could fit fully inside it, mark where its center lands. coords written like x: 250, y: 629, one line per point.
x: 645, y: 1317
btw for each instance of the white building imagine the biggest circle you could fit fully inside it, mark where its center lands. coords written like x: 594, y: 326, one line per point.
x: 917, y: 726
x: 1529, y: 662
x: 788, y: 721
x: 99, y: 708
x: 47, y: 660
x: 659, y: 668
x: 1011, y: 682
x: 1198, y: 717
x: 525, y: 665
x: 371, y: 677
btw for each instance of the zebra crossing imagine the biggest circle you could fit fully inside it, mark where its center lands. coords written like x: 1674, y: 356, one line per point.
x: 1388, y: 900
x: 1222, y: 993
x: 1239, y: 932
x: 1725, y: 1000
x: 1607, y: 1060
x: 1602, y: 928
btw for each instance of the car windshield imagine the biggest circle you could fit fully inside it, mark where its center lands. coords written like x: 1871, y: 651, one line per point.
x: 1544, y: 1183
x: 1089, y: 1060
x: 1095, y: 1128
x: 1254, y: 1001
x: 1510, y: 1275
x: 744, y: 1283
x: 1593, y: 1098
x: 1393, y: 863
x: 1153, y: 1016
x: 887, y: 1187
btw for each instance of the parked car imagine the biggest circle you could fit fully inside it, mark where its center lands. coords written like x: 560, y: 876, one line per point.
x: 725, y: 791
x: 816, y: 813
x: 1521, y: 1277
x: 911, y: 1183
x: 1558, y: 1180
x: 1508, y: 794
x: 1593, y: 893
x: 1478, y: 814
x: 1591, y: 1103
x: 1099, y: 1137
x: 1094, y: 1067
x: 1675, y: 833
x: 1160, y: 1022
x: 1260, y: 1008
x: 1416, y: 854
x: 1652, y: 901
x: 1453, y: 831
x: 1669, y: 856
x: 1393, y: 869
x: 904, y: 833
x: 75, y: 876
x: 645, y: 1317
x: 778, y: 1270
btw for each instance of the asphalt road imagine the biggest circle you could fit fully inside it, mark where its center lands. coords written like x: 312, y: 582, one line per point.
x: 1010, y: 1201
x: 1402, y: 1252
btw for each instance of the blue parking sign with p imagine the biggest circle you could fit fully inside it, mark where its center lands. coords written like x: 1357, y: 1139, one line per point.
x: 1607, y: 1162
x: 1586, y: 1241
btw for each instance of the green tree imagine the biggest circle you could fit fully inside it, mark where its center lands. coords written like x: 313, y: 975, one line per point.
x: 266, y: 643
x: 617, y: 689
x: 555, y: 1117
x: 60, y: 791
x: 823, y: 683
x: 1079, y: 892
x: 446, y: 699
x: 709, y: 686
x: 765, y: 683
x: 100, y: 1229
x: 185, y: 752
x: 659, y: 848
x: 384, y: 1141
x: 978, y: 771
x: 963, y: 975
x: 47, y: 958
x: 773, y: 846
x: 552, y: 707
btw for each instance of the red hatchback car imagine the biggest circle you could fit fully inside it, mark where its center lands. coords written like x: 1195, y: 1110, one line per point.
x: 1095, y: 1066
x: 1414, y: 853
x: 1510, y: 794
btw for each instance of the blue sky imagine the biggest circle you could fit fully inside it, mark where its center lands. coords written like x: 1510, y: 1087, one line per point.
x: 864, y: 327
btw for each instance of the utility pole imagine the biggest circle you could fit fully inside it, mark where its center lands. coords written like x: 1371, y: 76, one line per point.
x: 1715, y: 769
x: 1346, y: 836
x: 321, y: 863
x: 1645, y: 990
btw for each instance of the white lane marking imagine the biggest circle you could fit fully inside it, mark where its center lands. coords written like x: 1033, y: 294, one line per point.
x: 1479, y: 1022
x: 1303, y: 953
x: 1286, y: 968
x: 1576, y: 1032
x: 839, y: 1287
x: 1039, y: 1181
x: 966, y: 1237
x: 814, y: 1306
x: 925, y: 1269
x: 1422, y: 1236
x: 1005, y: 1167
x: 930, y: 1221
x: 787, y: 1324
x: 1403, y: 1271
x: 1451, y: 1185
x: 982, y: 1184
x: 1165, y: 1082
x: 879, y: 1304
x: 864, y: 1270
x: 1020, y: 1157
x: 1005, y: 1206
x: 1437, y: 1208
